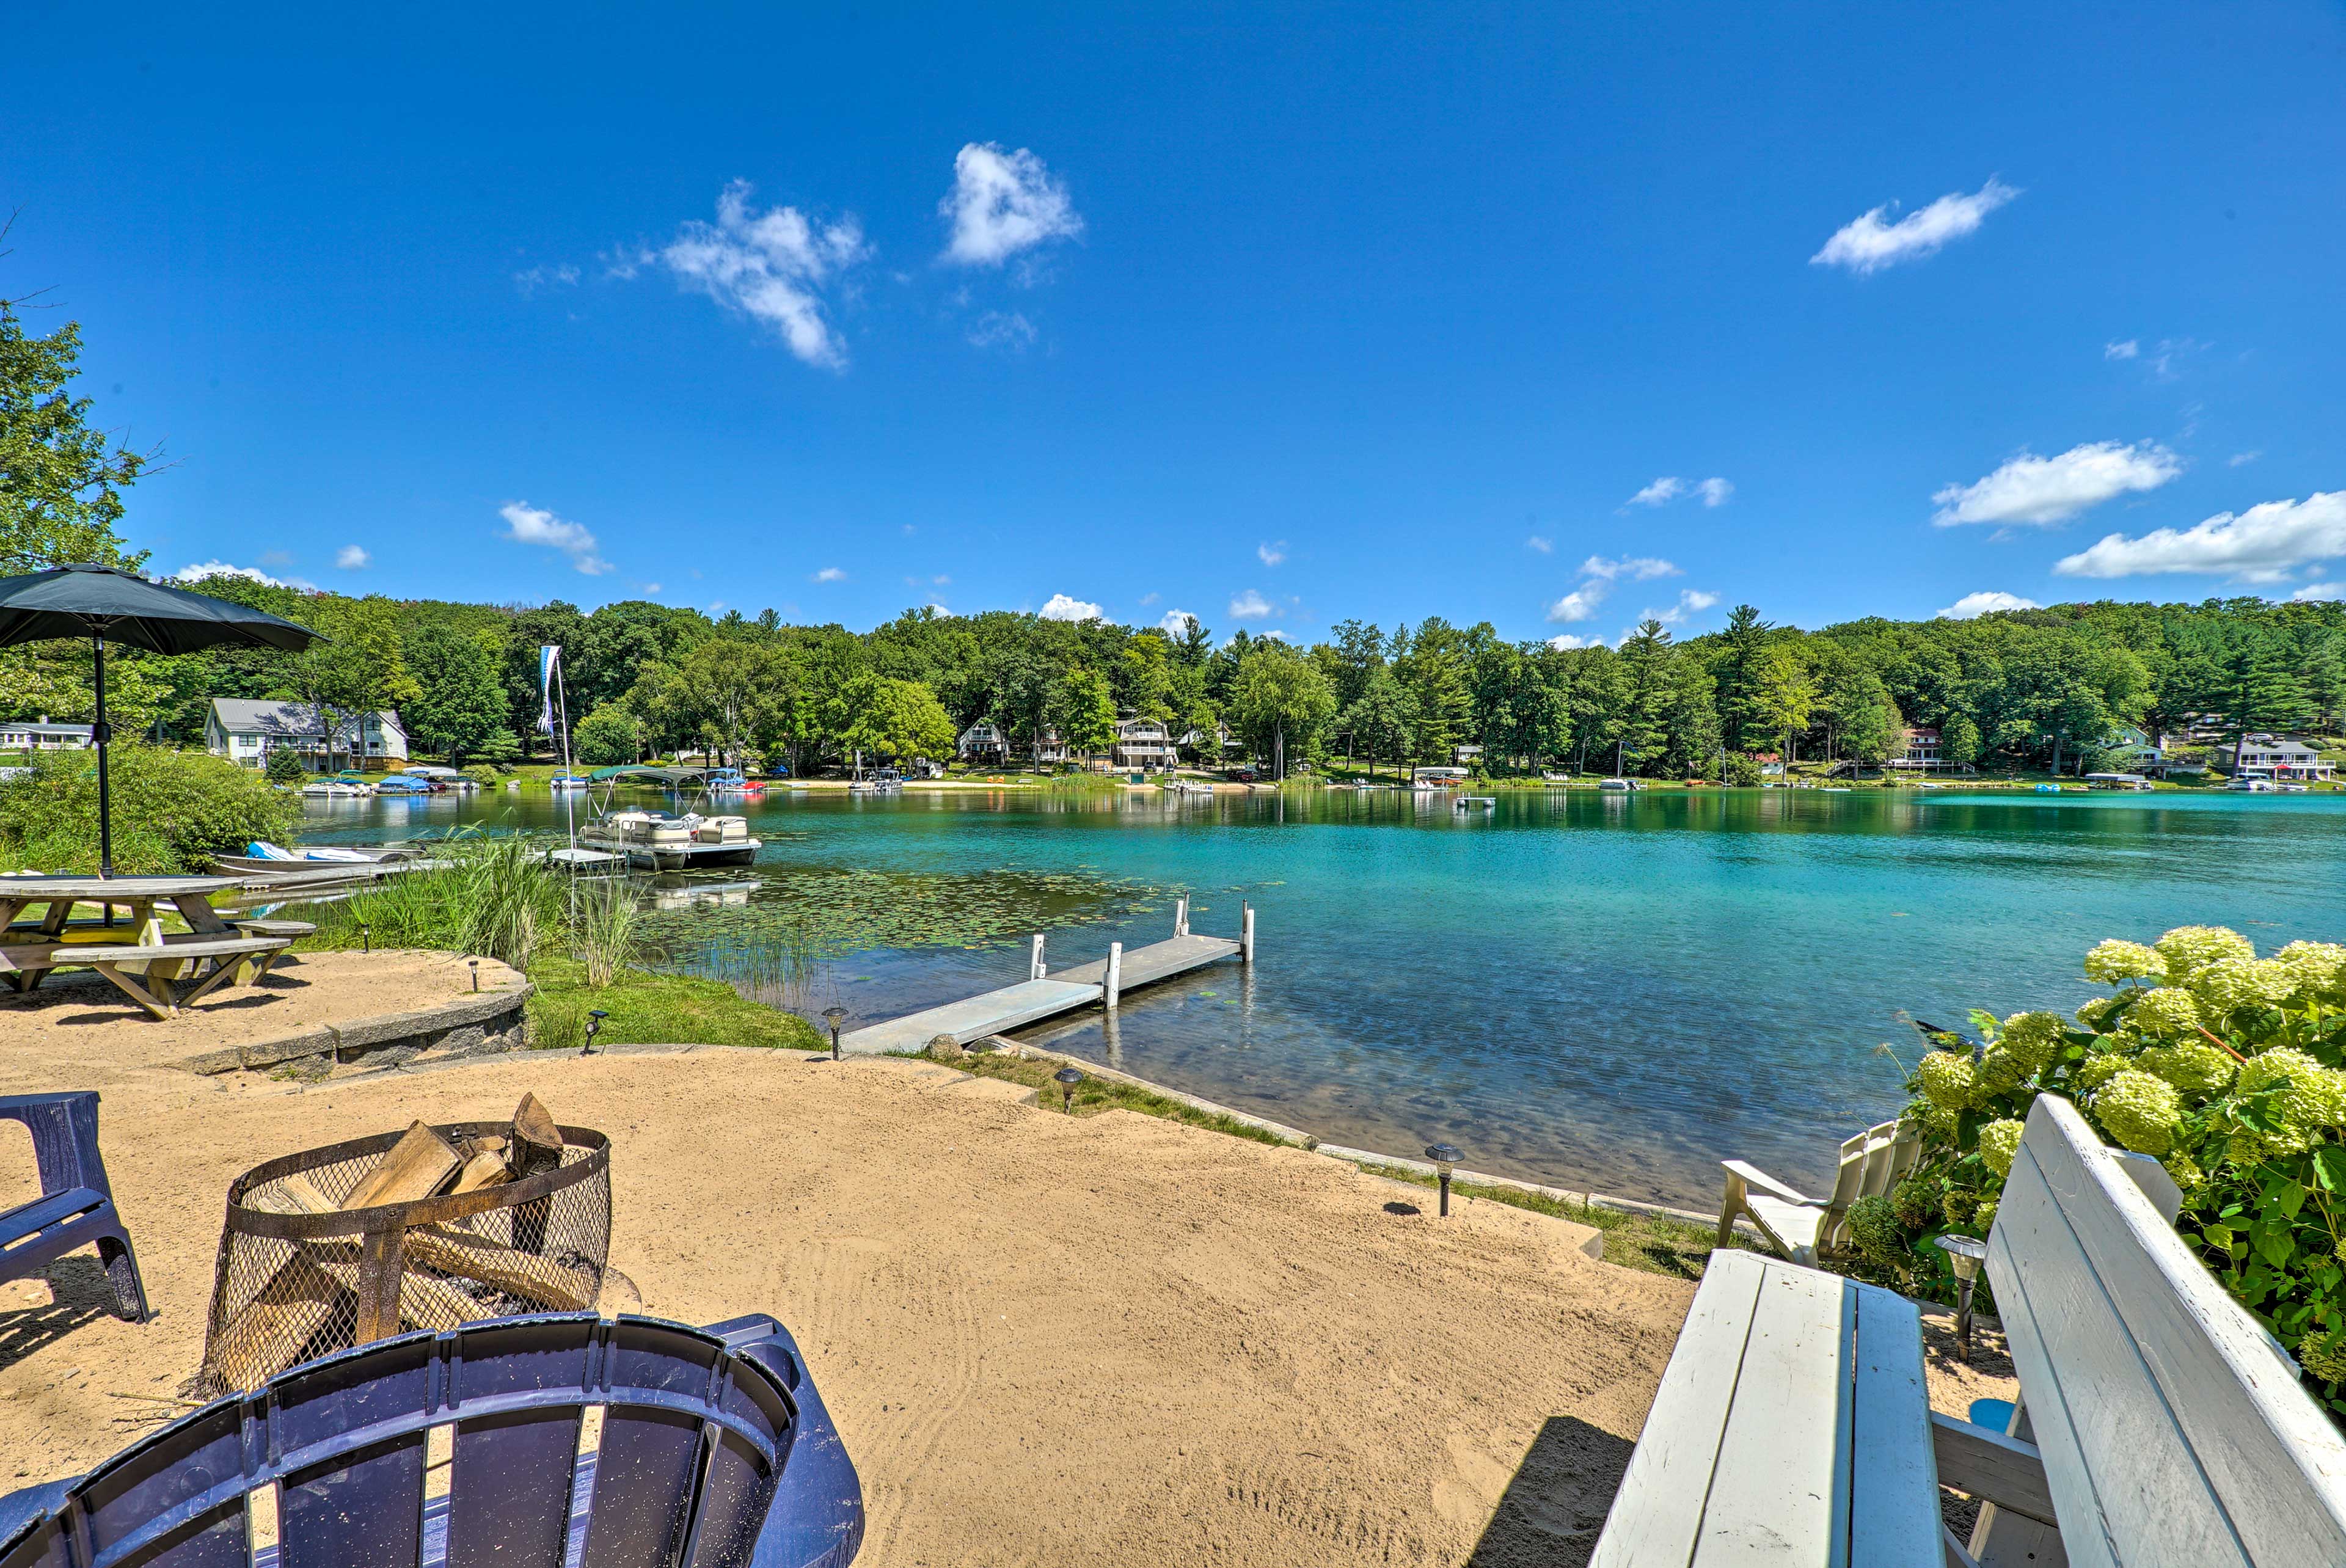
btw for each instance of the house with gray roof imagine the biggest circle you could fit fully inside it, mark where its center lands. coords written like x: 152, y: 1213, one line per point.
x: 246, y: 731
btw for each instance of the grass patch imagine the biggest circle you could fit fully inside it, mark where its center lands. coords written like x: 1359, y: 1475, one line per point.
x: 652, y: 1009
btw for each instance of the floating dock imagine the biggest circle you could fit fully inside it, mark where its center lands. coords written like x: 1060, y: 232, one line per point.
x: 1046, y: 995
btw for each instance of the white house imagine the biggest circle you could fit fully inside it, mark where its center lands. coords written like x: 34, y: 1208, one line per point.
x: 983, y: 742
x: 246, y: 731
x: 2264, y: 756
x: 40, y: 735
x: 1143, y: 743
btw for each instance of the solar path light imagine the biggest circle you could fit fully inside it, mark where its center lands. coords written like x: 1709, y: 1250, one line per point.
x: 366, y: 937
x: 1068, y: 1078
x: 834, y: 1016
x: 1965, y: 1254
x: 1446, y: 1158
x: 594, y: 1027
x: 476, y: 972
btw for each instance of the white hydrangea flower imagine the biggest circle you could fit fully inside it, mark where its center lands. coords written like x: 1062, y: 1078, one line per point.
x: 2140, y: 1111
x: 2191, y: 947
x: 2115, y: 963
x: 2234, y: 982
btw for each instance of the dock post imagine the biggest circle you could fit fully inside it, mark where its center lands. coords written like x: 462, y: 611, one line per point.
x: 1114, y: 973
x: 1246, y: 934
x: 1181, y: 916
x: 1034, y: 969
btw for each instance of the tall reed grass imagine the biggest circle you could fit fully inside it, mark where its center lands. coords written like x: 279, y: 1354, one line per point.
x: 492, y: 896
x: 606, y: 930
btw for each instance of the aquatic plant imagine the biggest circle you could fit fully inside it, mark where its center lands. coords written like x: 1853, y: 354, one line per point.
x: 605, y: 930
x: 2228, y: 1068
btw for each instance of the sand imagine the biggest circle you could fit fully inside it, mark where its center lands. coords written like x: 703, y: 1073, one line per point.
x: 1048, y: 1339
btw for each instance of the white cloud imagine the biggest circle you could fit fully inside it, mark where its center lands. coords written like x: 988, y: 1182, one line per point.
x: 2319, y: 592
x: 2045, y: 490
x: 1670, y: 487
x: 1149, y: 598
x: 1637, y: 569
x: 1177, y: 623
x: 1597, y: 576
x: 2125, y: 350
x: 1003, y: 330
x: 1545, y: 546
x: 2262, y: 544
x: 1250, y: 607
x: 198, y: 573
x: 1567, y: 640
x: 541, y: 276
x: 2242, y: 459
x: 1866, y: 244
x: 1983, y: 603
x: 1002, y: 203
x: 828, y: 575
x: 352, y: 557
x: 527, y: 525
x: 939, y: 608
x: 1691, y: 602
x: 769, y: 266
x: 651, y: 589
x: 1062, y: 607
x: 1271, y: 555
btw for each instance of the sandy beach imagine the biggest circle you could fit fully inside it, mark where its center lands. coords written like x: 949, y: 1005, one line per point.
x: 1048, y: 1339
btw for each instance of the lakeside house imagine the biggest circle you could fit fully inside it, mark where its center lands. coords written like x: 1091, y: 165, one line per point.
x: 40, y: 735
x: 2267, y: 756
x: 1142, y: 744
x: 1919, y: 752
x: 983, y: 742
x: 246, y: 731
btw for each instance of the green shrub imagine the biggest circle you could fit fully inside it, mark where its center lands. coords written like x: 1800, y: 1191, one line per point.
x: 496, y: 897
x: 1740, y: 771
x: 283, y: 767
x: 171, y: 810
x: 2224, y: 1066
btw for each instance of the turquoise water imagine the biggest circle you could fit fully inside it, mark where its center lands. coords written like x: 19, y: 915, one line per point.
x: 1592, y: 991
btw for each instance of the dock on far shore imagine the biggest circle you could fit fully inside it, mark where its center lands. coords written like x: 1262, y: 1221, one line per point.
x: 1043, y: 994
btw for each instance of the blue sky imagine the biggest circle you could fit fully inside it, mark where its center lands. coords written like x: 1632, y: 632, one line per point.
x: 1274, y: 315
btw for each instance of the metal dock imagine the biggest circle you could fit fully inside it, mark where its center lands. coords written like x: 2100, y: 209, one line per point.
x: 1044, y: 995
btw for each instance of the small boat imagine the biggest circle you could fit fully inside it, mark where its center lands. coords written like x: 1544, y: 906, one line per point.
x: 1619, y: 784
x: 2048, y: 789
x: 2289, y: 790
x: 407, y: 784
x: 566, y: 781
x: 880, y: 783
x: 1547, y: 778
x: 733, y: 781
x: 2251, y: 787
x: 336, y: 790
x: 1468, y: 802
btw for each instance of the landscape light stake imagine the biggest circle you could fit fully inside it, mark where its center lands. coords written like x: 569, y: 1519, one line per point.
x: 476, y: 972
x: 366, y: 937
x: 1068, y: 1078
x: 594, y: 1026
x: 1446, y: 1158
x: 834, y: 1016
x: 1965, y: 1253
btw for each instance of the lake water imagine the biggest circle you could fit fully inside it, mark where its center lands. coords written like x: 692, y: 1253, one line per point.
x: 1588, y: 989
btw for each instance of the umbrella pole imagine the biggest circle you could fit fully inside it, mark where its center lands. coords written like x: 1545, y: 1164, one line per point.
x: 100, y: 733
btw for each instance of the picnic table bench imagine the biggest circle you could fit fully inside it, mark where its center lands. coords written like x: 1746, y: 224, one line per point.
x: 181, y: 974
x: 24, y: 964
x: 2158, y: 1424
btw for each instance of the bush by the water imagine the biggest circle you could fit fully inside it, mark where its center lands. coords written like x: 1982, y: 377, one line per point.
x: 172, y: 810
x: 494, y: 896
x: 284, y: 767
x: 2224, y: 1066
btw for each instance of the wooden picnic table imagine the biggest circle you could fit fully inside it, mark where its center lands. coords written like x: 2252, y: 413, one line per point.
x: 29, y: 949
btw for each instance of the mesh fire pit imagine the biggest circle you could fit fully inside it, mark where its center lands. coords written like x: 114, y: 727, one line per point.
x: 299, y: 1275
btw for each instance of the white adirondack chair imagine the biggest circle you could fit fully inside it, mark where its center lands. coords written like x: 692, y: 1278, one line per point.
x: 1806, y: 1229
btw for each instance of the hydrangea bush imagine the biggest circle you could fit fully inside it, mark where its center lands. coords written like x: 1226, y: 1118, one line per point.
x: 2224, y: 1066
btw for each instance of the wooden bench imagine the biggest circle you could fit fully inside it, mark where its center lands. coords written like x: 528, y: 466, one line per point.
x: 2158, y: 1425
x: 1792, y: 1427
x: 180, y: 973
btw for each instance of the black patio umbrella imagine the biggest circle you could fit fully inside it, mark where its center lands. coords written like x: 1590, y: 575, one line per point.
x: 106, y: 605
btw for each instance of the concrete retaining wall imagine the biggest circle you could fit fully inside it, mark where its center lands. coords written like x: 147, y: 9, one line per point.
x: 468, y: 1026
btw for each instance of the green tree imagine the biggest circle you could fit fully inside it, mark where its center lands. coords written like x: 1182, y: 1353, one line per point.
x: 1280, y: 703
x: 1739, y: 716
x: 897, y: 718
x: 1786, y: 695
x: 608, y: 736
x: 1383, y: 717
x: 459, y: 701
x: 2258, y: 685
x: 61, y: 481
x: 1082, y: 709
x: 1647, y: 694
x: 1433, y: 667
x: 283, y: 767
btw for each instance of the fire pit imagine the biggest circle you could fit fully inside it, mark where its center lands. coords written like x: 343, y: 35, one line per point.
x: 527, y: 1228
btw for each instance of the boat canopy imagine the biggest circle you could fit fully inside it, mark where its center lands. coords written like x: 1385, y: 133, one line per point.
x: 649, y: 774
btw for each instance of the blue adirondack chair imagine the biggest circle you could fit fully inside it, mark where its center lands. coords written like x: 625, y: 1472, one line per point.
x: 477, y: 1448
x: 76, y: 1208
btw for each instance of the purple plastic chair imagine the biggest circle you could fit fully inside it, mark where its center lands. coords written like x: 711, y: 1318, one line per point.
x: 76, y: 1208
x: 476, y: 1448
